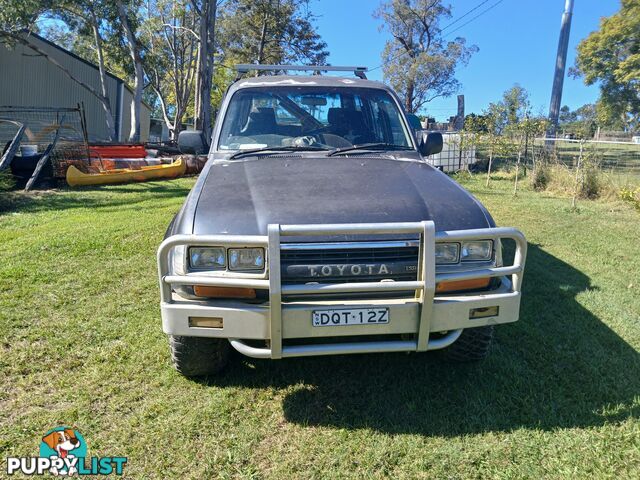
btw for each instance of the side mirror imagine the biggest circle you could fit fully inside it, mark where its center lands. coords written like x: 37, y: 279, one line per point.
x: 430, y: 143
x: 192, y: 142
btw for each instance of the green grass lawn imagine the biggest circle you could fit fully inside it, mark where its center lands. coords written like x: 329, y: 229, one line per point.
x: 82, y: 345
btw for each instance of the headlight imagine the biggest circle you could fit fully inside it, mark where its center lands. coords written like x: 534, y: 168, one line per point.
x: 447, y: 253
x: 207, y: 257
x: 477, y: 250
x: 246, y: 258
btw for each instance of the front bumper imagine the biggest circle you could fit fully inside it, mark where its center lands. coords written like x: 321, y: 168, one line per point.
x: 280, y: 323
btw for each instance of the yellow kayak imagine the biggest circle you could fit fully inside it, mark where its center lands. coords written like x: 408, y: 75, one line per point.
x: 76, y: 178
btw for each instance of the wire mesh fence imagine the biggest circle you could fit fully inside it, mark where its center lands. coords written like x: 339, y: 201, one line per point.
x: 457, y: 153
x: 622, y: 158
x: 466, y: 151
x: 42, y: 124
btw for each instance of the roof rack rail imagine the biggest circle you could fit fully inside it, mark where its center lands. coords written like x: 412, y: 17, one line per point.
x: 357, y: 71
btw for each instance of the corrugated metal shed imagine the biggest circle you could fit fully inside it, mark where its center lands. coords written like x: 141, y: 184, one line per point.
x: 27, y: 79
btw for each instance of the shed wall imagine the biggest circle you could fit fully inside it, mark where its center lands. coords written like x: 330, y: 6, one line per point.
x: 27, y: 79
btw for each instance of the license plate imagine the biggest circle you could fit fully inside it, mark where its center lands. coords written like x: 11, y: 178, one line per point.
x: 352, y: 316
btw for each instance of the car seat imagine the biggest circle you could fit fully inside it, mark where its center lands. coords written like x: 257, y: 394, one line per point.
x: 349, y: 124
x: 261, y: 122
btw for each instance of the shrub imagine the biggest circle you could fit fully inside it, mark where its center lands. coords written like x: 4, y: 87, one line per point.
x: 629, y: 195
x: 591, y: 183
x: 540, y: 177
x: 561, y: 180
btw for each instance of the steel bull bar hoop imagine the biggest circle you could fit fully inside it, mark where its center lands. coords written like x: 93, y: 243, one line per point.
x: 494, y: 234
x: 424, y: 288
x: 424, y: 285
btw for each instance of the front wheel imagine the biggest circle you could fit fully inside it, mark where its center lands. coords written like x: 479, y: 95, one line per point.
x: 197, y: 357
x: 473, y: 345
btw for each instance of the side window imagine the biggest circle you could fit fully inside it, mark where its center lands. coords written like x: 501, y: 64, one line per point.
x: 368, y: 116
x: 379, y: 123
x: 284, y: 117
x: 357, y: 102
x: 394, y: 122
x: 263, y: 102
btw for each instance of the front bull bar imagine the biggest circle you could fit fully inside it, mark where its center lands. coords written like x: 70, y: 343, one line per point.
x: 423, y: 287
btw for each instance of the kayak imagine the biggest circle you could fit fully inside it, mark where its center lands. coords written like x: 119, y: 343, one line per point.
x: 76, y: 178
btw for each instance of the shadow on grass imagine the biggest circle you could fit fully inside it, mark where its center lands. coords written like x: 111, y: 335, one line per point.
x: 91, y: 197
x: 558, y: 367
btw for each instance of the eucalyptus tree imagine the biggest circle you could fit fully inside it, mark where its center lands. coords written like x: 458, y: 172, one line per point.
x: 128, y: 15
x: 170, y: 32
x: 91, y: 20
x: 419, y: 61
x: 207, y: 12
x: 608, y: 57
x: 271, y: 32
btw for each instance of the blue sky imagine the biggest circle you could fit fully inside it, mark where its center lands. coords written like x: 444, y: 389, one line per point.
x: 518, y: 40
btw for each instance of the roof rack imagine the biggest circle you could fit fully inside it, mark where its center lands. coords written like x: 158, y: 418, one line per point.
x: 357, y: 71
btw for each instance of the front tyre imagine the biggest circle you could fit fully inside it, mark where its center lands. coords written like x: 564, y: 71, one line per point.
x: 197, y: 357
x: 473, y: 345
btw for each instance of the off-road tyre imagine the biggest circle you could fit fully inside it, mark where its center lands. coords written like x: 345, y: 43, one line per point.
x: 197, y: 357
x: 473, y: 345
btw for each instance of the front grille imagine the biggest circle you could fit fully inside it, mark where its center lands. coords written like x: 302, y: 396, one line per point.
x: 335, y: 264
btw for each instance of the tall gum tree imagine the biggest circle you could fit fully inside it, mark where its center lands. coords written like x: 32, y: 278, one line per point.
x: 610, y: 57
x: 418, y: 61
x: 87, y: 17
x: 271, y: 32
x: 127, y: 15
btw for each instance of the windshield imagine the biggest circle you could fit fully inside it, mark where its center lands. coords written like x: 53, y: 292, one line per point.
x: 323, y: 117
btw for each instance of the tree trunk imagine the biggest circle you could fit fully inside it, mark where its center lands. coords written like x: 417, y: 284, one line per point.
x: 490, y: 162
x: 165, y: 113
x: 263, y: 39
x: 197, y: 103
x: 526, y: 147
x: 408, y: 99
x: 515, y: 185
x: 138, y: 85
x: 205, y: 71
x: 106, y: 103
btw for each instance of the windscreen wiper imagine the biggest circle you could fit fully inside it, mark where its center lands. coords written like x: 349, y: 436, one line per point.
x: 291, y: 148
x: 368, y: 146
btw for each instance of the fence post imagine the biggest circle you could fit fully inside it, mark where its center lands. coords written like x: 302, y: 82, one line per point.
x: 515, y: 187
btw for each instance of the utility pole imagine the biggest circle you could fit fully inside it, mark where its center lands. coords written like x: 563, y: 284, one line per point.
x: 459, y: 122
x: 561, y: 63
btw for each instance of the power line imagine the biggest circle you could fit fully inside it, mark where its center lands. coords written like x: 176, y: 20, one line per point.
x: 447, y: 26
x: 460, y: 18
x: 472, y: 19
